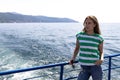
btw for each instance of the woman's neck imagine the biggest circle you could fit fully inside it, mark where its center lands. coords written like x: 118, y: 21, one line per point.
x: 90, y: 33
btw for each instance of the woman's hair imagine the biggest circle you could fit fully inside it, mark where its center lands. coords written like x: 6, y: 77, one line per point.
x: 95, y: 21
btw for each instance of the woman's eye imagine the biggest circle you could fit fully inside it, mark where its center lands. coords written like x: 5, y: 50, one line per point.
x: 87, y: 23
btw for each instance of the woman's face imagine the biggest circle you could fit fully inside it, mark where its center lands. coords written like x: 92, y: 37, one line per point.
x: 89, y: 25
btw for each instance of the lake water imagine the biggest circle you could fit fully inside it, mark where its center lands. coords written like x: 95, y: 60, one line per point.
x: 24, y: 45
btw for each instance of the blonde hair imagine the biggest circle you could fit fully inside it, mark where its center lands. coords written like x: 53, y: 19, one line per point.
x: 95, y: 21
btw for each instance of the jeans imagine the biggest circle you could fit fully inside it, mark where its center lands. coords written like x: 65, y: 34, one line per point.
x: 87, y: 71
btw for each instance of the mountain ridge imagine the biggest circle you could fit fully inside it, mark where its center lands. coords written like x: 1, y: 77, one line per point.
x: 9, y: 17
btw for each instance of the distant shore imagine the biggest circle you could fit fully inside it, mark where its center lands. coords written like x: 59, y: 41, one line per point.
x: 20, y: 18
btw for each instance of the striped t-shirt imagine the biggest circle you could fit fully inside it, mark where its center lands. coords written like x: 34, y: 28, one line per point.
x: 89, y: 52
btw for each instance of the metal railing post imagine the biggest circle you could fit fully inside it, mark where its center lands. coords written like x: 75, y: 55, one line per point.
x: 61, y: 72
x: 109, y: 68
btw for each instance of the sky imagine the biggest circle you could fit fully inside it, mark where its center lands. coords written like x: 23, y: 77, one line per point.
x: 104, y: 10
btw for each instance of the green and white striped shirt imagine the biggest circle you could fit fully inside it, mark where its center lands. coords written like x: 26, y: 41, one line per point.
x: 89, y: 52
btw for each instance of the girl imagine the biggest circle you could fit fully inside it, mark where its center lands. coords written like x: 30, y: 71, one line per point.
x: 89, y: 44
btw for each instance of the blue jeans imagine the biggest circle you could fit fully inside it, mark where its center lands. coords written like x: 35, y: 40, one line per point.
x: 87, y: 71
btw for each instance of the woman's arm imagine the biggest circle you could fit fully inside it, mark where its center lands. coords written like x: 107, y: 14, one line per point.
x: 100, y: 48
x: 76, y: 50
x: 101, y: 51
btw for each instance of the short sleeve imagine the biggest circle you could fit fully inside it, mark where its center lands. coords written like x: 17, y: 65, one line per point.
x: 101, y: 39
x: 78, y: 35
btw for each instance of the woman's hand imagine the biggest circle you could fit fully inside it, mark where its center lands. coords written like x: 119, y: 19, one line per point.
x: 98, y: 62
x: 71, y: 63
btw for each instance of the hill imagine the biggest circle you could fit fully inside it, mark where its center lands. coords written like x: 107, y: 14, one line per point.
x: 20, y: 18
